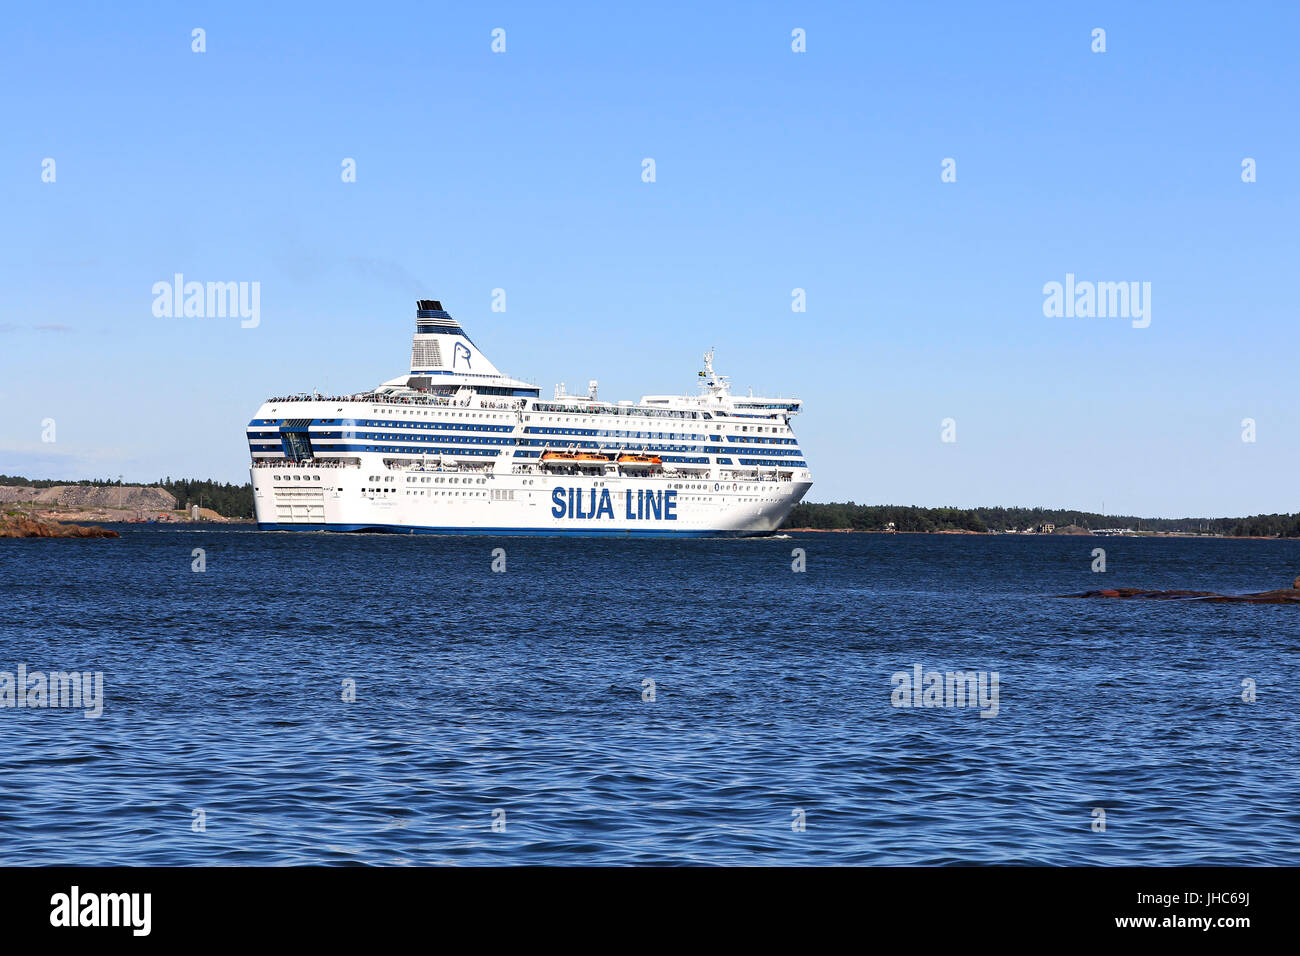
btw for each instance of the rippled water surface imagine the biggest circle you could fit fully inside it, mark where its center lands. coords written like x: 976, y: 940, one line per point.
x: 522, y: 692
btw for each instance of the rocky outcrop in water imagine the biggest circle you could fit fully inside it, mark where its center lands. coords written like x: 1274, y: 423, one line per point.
x: 1289, y: 595
x: 23, y: 527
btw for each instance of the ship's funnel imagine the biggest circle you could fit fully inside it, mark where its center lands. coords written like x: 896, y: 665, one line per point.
x: 441, y: 347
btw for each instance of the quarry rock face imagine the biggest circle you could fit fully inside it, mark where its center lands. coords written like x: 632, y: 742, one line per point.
x: 92, y: 496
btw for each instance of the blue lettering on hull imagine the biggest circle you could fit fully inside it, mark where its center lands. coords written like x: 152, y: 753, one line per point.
x: 572, y: 503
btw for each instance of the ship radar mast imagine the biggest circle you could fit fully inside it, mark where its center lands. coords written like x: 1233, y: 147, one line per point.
x: 710, y: 381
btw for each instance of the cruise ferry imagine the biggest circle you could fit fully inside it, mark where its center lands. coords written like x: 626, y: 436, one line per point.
x: 454, y: 446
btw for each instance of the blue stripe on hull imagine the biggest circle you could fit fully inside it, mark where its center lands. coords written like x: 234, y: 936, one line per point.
x: 541, y: 532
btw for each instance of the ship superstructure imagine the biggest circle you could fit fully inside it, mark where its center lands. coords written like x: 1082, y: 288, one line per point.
x: 457, y: 447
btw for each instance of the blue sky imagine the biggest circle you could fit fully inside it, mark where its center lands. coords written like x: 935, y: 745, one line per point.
x: 775, y: 170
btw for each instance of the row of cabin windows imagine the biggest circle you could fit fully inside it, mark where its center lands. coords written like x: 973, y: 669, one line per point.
x: 467, y: 494
x: 441, y: 412
x: 774, y: 429
x: 451, y: 426
x: 438, y: 481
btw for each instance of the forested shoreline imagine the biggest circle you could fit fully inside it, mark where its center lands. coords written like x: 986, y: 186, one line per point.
x: 910, y: 518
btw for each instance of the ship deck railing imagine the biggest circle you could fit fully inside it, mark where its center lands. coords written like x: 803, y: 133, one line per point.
x: 423, y: 465
x: 568, y: 469
x: 376, y: 398
x: 307, y: 463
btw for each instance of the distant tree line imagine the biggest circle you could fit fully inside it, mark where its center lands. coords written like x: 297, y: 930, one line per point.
x: 236, y: 501
x: 847, y: 515
x: 51, y: 482
x: 875, y: 517
x: 227, y: 500
x: 1268, y: 526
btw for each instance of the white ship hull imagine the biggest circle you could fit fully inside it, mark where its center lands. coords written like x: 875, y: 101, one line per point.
x: 293, y: 499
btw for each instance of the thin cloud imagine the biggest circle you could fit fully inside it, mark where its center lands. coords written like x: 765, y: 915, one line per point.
x: 389, y: 272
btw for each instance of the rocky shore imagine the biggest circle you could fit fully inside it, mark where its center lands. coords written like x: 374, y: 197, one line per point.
x: 23, y: 527
x: 1289, y: 595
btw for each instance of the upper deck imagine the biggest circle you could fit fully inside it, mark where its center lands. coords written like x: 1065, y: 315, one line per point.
x: 473, y: 414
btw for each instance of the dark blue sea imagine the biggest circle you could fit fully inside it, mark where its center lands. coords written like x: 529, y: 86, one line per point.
x: 518, y: 698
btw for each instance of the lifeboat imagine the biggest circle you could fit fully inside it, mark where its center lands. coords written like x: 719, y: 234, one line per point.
x: 568, y: 456
x: 643, y: 461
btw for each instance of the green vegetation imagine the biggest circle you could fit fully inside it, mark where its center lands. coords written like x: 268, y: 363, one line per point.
x: 875, y: 517
x: 908, y: 518
x: 229, y: 501
x: 49, y: 482
x: 1272, y: 526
